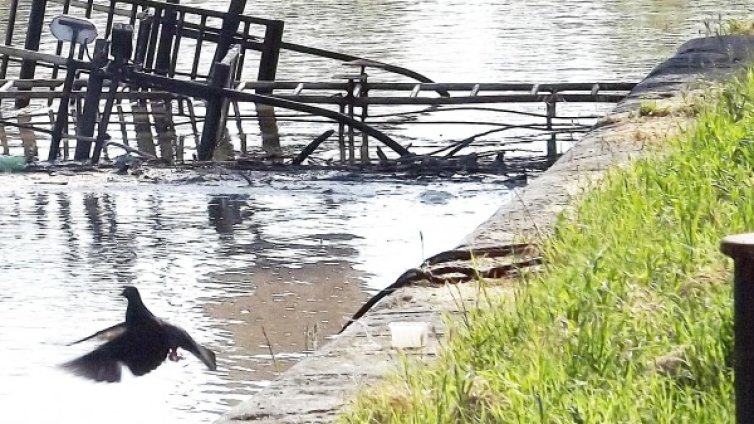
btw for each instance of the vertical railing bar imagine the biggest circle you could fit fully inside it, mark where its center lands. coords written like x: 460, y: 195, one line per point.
x: 177, y: 43
x: 242, y: 59
x: 87, y: 14
x: 132, y: 17
x: 110, y: 16
x: 59, y: 47
x: 156, y: 24
x: 198, y: 50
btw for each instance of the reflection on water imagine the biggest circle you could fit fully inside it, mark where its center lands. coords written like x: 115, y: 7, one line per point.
x: 260, y: 274
x: 291, y: 255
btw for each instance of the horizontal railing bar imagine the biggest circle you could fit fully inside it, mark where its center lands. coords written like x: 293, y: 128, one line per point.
x: 410, y: 86
x: 95, y: 6
x: 510, y: 98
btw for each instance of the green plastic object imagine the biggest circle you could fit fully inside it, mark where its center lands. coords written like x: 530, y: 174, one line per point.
x: 12, y: 163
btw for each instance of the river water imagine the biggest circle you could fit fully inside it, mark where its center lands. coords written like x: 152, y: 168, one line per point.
x: 289, y: 255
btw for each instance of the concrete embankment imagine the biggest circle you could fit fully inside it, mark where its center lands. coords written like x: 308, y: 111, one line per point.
x: 315, y: 389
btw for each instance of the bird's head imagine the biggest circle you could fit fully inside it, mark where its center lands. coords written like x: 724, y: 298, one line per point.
x: 130, y: 293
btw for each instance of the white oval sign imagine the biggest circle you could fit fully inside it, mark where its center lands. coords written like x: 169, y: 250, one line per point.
x: 73, y: 29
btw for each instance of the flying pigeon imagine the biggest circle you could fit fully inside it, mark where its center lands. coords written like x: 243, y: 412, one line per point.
x: 141, y: 343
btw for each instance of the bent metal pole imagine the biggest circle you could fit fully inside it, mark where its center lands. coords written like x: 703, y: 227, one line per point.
x: 741, y: 248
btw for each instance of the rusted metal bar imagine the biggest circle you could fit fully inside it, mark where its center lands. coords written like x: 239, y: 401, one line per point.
x: 510, y: 98
x: 347, y: 57
x: 525, y: 88
x: 741, y: 248
x: 189, y: 88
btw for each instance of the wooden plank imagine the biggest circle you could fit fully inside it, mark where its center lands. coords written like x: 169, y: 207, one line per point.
x: 34, y: 56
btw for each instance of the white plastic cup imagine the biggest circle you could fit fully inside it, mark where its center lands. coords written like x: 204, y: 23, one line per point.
x: 411, y: 334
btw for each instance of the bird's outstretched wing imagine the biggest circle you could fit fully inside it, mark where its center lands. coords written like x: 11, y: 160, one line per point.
x: 99, y: 365
x: 179, y: 337
x: 108, y: 333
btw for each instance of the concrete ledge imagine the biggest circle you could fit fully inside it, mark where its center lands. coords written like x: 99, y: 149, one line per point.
x: 314, y: 390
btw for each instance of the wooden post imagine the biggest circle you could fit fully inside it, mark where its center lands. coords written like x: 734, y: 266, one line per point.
x: 28, y: 137
x: 122, y: 36
x: 102, y: 127
x: 162, y: 109
x: 139, y: 108
x: 230, y: 27
x: 4, y: 138
x: 268, y: 65
x: 741, y: 249
x: 33, y: 35
x: 167, y: 34
x: 552, y: 143
x: 85, y: 127
x: 351, y: 134
x: 142, y: 39
x: 217, y: 106
x: 364, y: 153
x: 61, y: 121
x: 342, y: 135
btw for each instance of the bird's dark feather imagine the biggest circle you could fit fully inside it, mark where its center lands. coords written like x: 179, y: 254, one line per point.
x: 98, y: 365
x: 108, y: 333
x: 141, y: 343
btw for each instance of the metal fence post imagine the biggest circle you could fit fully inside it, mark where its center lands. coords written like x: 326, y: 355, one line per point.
x: 741, y: 248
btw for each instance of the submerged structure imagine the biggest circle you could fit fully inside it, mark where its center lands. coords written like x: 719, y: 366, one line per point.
x: 180, y: 85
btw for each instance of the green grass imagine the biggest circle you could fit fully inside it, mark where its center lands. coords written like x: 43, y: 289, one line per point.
x: 631, y: 321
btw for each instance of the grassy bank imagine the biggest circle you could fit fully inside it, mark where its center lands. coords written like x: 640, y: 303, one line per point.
x: 632, y: 319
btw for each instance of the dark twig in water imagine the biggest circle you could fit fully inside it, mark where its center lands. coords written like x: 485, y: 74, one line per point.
x: 269, y: 346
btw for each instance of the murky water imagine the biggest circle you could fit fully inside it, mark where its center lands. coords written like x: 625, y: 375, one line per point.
x: 291, y: 254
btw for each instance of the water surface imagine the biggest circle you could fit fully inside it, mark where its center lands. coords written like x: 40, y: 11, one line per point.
x: 292, y: 255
